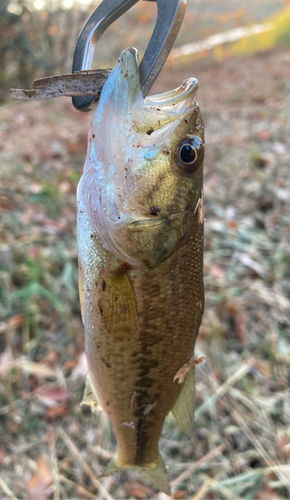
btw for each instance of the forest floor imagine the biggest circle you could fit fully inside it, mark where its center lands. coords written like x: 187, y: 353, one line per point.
x: 50, y: 446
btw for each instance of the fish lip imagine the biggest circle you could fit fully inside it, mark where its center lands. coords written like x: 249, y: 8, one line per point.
x: 172, y: 97
x: 127, y: 82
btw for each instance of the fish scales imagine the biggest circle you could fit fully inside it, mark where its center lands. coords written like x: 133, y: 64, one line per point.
x: 141, y: 258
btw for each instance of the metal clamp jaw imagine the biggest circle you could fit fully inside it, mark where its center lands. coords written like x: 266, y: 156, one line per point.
x: 169, y: 18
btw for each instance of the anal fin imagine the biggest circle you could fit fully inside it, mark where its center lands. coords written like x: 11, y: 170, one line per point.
x: 183, y: 410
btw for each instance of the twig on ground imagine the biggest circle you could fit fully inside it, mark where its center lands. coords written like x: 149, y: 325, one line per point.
x: 73, y: 449
x: 7, y: 490
x: 252, y: 411
x: 213, y: 484
x: 54, y: 464
x: 202, y: 490
x: 222, y: 389
x: 78, y: 488
x: 98, y: 450
x: 248, y: 476
x: 261, y: 450
x: 196, y: 465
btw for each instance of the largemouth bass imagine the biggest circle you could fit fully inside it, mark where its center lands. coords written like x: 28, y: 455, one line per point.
x: 140, y: 241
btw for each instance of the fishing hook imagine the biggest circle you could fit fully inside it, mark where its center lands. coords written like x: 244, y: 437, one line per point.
x: 169, y: 18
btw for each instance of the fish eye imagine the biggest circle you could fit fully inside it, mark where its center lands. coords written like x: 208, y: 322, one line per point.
x: 189, y: 154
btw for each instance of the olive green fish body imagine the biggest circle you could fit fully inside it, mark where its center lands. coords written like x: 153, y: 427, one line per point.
x: 140, y: 239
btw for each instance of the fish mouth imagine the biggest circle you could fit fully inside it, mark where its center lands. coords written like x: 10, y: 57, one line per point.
x: 121, y: 126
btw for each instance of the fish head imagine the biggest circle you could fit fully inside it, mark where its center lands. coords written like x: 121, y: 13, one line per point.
x: 142, y: 181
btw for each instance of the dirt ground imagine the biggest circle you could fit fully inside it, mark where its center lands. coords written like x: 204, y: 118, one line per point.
x: 50, y: 446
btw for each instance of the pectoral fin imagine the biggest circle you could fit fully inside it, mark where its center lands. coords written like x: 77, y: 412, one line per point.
x: 183, y: 410
x: 118, y: 304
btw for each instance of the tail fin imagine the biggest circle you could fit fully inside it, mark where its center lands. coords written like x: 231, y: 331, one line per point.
x: 156, y: 473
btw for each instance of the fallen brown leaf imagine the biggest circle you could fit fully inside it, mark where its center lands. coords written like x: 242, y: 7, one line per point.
x: 70, y: 364
x: 240, y: 322
x: 7, y: 202
x: 2, y: 455
x: 55, y: 412
x: 14, y: 321
x: 263, y: 135
x: 266, y: 493
x: 179, y: 494
x: 137, y: 489
x: 12, y: 426
x: 39, y: 483
x: 231, y: 224
x: 52, y: 394
x: 218, y: 271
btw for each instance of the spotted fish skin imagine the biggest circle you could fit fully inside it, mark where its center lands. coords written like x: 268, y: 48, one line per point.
x: 140, y: 241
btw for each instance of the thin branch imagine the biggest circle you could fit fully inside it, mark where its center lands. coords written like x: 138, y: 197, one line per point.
x: 54, y: 463
x: 78, y: 488
x: 212, y: 454
x: 73, y: 449
x: 6, y: 489
x: 261, y: 450
x: 220, y: 391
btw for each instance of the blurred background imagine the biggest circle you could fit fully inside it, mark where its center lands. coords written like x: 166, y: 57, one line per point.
x: 38, y: 36
x: 50, y: 446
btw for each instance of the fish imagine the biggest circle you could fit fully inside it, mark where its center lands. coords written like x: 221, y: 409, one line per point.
x: 140, y: 245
